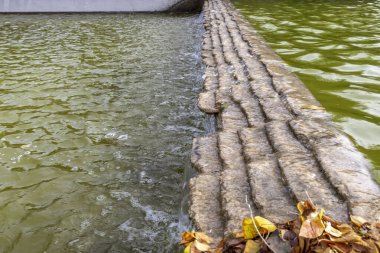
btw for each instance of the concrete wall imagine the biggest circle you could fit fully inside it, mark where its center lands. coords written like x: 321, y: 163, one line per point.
x: 93, y: 5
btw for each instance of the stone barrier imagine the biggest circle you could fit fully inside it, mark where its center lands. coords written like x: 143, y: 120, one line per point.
x: 274, y: 143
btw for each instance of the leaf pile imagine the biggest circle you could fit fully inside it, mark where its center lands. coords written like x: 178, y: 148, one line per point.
x: 311, y: 232
x: 246, y: 241
x: 196, y: 242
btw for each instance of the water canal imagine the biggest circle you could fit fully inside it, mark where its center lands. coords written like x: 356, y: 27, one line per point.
x: 98, y: 112
x: 334, y: 47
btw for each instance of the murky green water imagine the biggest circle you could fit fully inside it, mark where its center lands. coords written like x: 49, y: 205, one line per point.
x: 334, y: 46
x: 97, y: 118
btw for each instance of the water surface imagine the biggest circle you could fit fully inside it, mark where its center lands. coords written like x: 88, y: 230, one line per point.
x: 97, y: 115
x: 334, y: 47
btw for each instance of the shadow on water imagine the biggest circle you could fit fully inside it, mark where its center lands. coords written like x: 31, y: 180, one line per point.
x: 97, y: 118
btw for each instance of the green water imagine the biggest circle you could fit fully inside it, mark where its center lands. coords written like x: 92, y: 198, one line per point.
x: 334, y: 47
x: 96, y: 123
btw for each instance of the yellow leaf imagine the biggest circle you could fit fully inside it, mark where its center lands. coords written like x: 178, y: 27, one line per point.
x: 357, y: 220
x: 202, y: 237
x: 300, y: 207
x: 265, y: 224
x: 249, y: 230
x: 262, y: 224
x: 321, y: 213
x: 252, y: 247
x: 188, y: 248
x: 201, y: 246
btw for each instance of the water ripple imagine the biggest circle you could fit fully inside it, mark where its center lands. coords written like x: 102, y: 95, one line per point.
x: 93, y: 105
x: 334, y: 46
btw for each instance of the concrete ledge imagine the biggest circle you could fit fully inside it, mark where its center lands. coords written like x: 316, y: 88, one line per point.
x: 273, y: 142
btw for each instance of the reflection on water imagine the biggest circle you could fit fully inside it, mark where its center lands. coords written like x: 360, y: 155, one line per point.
x: 97, y: 117
x: 334, y: 46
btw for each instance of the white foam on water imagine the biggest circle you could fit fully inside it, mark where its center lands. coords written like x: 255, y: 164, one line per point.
x: 150, y: 214
x: 135, y: 233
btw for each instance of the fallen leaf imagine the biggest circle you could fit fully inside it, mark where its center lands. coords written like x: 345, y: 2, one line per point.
x: 219, y: 247
x: 202, y: 237
x: 329, y: 250
x: 264, y: 224
x: 249, y: 230
x: 333, y: 222
x: 341, y: 248
x: 252, y: 247
x: 357, y: 220
x: 332, y: 231
x: 345, y: 228
x: 233, y: 242
x: 201, y: 246
x: 288, y: 235
x: 311, y: 229
x: 188, y: 248
x: 187, y: 237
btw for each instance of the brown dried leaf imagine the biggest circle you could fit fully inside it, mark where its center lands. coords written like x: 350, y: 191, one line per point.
x: 311, y: 229
x: 329, y: 250
x: 345, y: 228
x: 288, y: 235
x: 219, y: 247
x: 229, y: 244
x: 333, y: 222
x: 350, y: 237
x: 341, y: 248
x: 187, y: 237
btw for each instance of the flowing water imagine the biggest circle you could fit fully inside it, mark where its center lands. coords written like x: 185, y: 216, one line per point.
x: 97, y: 117
x: 334, y: 47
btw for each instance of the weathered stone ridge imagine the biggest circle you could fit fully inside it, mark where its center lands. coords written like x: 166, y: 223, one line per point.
x: 273, y: 144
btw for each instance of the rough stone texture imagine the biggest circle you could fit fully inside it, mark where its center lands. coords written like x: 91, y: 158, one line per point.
x: 205, y: 208
x: 270, y: 149
x: 205, y: 157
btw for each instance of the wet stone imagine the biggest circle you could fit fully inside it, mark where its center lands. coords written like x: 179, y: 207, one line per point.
x: 205, y: 157
x: 205, y: 208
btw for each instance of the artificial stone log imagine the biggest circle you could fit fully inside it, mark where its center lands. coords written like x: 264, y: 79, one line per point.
x: 274, y: 145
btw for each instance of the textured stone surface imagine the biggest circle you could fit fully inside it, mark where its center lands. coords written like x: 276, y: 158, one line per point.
x: 270, y: 148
